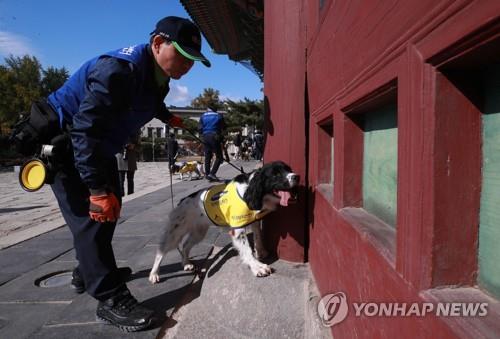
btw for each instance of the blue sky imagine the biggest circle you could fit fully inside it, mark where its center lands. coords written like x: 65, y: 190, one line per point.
x: 69, y: 32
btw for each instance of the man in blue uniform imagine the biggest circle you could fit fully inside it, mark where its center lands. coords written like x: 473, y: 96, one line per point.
x: 211, y: 127
x: 108, y: 99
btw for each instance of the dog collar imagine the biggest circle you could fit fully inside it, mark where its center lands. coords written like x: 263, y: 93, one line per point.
x: 225, y: 207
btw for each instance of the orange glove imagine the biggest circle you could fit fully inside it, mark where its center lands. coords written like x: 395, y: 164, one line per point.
x: 176, y: 121
x: 104, y: 208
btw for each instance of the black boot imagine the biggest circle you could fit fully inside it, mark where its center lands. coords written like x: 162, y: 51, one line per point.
x: 78, y: 284
x: 212, y: 178
x: 124, y: 312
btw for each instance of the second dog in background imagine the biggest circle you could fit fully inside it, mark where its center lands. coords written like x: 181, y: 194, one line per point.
x: 188, y: 168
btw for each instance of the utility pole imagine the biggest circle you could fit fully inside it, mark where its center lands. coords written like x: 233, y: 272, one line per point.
x: 153, y: 137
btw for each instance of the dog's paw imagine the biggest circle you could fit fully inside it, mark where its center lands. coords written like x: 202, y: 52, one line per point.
x: 189, y: 267
x: 154, y: 278
x: 261, y: 270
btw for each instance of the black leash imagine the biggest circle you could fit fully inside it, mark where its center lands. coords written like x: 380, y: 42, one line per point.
x: 171, y: 186
x: 170, y: 169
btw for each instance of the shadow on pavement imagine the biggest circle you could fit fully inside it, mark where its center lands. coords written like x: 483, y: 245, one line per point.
x: 163, y: 302
x: 15, y: 209
x: 219, y: 259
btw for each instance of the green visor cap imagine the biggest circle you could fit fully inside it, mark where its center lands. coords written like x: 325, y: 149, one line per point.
x: 190, y: 56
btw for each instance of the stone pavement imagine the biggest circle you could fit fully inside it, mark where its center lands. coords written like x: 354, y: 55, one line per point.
x: 24, y: 215
x: 224, y: 300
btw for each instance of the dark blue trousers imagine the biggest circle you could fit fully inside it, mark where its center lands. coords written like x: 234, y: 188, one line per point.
x: 92, y: 240
x: 212, y: 144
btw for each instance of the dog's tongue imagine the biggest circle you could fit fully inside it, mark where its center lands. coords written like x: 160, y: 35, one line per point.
x: 284, y: 197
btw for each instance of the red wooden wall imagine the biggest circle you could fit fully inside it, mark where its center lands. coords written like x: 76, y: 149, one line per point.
x: 343, y: 59
x: 284, y: 83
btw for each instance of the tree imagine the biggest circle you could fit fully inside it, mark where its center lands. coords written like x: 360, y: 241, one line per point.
x: 244, y: 113
x: 209, y: 96
x: 53, y: 79
x: 22, y: 86
x: 21, y: 83
x: 191, y: 125
x: 7, y: 111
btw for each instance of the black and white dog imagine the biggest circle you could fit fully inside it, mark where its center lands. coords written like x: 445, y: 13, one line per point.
x: 240, y: 203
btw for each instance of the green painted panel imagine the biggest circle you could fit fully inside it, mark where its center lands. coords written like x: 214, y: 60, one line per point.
x: 489, y: 216
x: 380, y: 160
x: 325, y: 150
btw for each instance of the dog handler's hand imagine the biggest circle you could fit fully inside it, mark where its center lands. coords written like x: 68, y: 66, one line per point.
x: 104, y: 207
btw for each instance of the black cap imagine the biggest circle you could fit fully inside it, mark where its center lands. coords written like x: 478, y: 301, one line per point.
x: 184, y: 35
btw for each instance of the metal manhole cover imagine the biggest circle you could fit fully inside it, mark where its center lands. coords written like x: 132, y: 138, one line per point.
x: 55, y: 279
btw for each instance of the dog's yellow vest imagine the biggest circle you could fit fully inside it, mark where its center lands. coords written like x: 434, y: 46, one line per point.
x: 189, y: 166
x: 225, y: 207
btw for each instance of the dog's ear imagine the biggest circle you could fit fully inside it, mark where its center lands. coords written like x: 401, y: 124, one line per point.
x: 255, y: 191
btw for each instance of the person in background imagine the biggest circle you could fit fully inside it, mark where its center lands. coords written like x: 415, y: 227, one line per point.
x: 211, y: 126
x: 246, y: 148
x: 172, y: 148
x: 226, y: 143
x: 106, y: 100
x: 258, y: 145
x: 127, y: 165
x: 237, y: 145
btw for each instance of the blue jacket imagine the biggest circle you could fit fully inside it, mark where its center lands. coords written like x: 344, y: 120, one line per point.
x: 211, y: 122
x: 108, y: 99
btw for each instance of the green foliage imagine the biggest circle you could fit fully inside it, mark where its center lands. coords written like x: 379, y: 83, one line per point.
x: 23, y: 80
x: 209, y: 96
x: 53, y: 78
x: 7, y: 91
x: 244, y: 113
x: 191, y: 125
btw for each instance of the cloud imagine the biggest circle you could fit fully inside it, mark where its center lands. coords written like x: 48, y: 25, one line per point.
x: 14, y: 44
x: 178, y: 96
